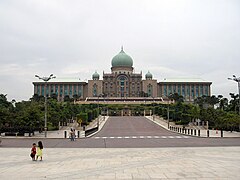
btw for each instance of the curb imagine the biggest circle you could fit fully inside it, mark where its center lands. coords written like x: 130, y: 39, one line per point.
x: 100, y: 127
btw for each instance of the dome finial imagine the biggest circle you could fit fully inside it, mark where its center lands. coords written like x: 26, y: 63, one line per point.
x: 122, y: 48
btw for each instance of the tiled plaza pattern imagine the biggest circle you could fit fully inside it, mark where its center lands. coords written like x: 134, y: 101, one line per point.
x: 157, y: 163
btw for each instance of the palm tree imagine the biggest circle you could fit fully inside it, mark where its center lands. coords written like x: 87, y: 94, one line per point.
x: 223, y: 102
x: 233, y: 102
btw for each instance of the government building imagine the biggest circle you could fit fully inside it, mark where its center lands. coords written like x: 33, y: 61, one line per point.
x: 122, y: 84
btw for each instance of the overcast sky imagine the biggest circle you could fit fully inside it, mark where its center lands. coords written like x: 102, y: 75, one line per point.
x: 170, y: 38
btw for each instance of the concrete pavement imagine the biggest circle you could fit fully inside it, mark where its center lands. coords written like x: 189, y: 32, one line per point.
x: 212, y: 133
x: 156, y: 163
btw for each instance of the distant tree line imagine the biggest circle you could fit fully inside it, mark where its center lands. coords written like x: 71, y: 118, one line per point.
x: 220, y: 112
x: 30, y: 114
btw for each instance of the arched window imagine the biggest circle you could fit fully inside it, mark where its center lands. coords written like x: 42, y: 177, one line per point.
x: 94, y: 90
x: 123, y: 86
x: 149, y: 90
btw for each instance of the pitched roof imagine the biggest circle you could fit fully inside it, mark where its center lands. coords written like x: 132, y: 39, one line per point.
x: 66, y: 79
x: 182, y: 80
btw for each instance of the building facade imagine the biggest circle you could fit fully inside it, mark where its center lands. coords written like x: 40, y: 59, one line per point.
x: 123, y: 83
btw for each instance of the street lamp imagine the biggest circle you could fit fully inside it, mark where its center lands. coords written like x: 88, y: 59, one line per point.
x: 238, y: 81
x: 100, y: 95
x: 169, y: 98
x: 168, y: 115
x: 45, y: 79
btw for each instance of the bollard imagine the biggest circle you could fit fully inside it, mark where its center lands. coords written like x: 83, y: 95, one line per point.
x: 65, y: 134
x: 188, y: 131
x: 191, y: 131
x: 199, y: 132
x: 180, y: 130
x: 78, y: 134
x: 195, y: 132
x: 221, y: 133
x: 207, y: 133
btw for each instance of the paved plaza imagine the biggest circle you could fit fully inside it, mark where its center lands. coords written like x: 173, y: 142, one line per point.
x: 114, y: 163
x: 125, y: 148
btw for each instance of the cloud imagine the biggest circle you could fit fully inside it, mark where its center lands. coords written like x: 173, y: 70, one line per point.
x: 170, y: 38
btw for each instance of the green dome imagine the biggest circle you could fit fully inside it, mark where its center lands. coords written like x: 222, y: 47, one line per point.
x: 95, y: 75
x: 122, y: 60
x: 148, y: 75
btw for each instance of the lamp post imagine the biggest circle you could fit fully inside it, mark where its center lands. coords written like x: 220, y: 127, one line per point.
x: 238, y: 81
x: 169, y: 98
x: 100, y: 95
x: 168, y: 115
x: 45, y: 79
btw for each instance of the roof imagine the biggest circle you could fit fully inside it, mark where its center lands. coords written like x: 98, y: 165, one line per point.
x: 183, y: 80
x: 67, y: 79
x: 122, y: 60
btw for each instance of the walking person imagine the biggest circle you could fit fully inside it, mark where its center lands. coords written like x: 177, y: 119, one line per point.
x: 71, y: 136
x: 33, y: 151
x: 39, y: 150
x: 74, y: 135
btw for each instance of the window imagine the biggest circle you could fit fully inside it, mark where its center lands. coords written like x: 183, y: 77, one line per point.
x: 201, y: 90
x: 70, y: 90
x: 52, y: 89
x: 56, y: 89
x: 61, y: 90
x: 179, y: 90
x: 42, y: 90
x: 165, y: 90
x: 174, y: 88
x: 206, y: 91
x: 74, y: 89
x: 38, y: 89
x: 170, y: 88
x: 197, y: 90
x: 79, y: 90
x: 65, y: 90
x: 149, y: 90
x: 192, y: 90
x: 188, y: 90
x: 123, y: 85
x: 94, y: 90
x: 183, y: 90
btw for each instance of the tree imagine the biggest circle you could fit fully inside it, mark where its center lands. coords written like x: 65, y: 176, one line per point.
x: 176, y: 97
x: 223, y: 103
x: 233, y: 102
x: 82, y: 118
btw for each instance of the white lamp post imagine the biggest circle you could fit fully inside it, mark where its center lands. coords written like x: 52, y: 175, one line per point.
x: 45, y: 79
x: 234, y: 78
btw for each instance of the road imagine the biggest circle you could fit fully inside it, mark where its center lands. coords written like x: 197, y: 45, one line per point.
x: 127, y: 132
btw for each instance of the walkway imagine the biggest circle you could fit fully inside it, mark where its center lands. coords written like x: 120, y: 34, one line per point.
x: 155, y: 163
x: 212, y: 133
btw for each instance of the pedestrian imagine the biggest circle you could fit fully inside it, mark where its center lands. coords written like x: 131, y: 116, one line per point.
x: 33, y: 151
x: 39, y: 150
x: 71, y: 136
x: 74, y: 135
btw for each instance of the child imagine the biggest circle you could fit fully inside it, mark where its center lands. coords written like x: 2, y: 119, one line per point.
x: 33, y: 151
x: 39, y: 150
